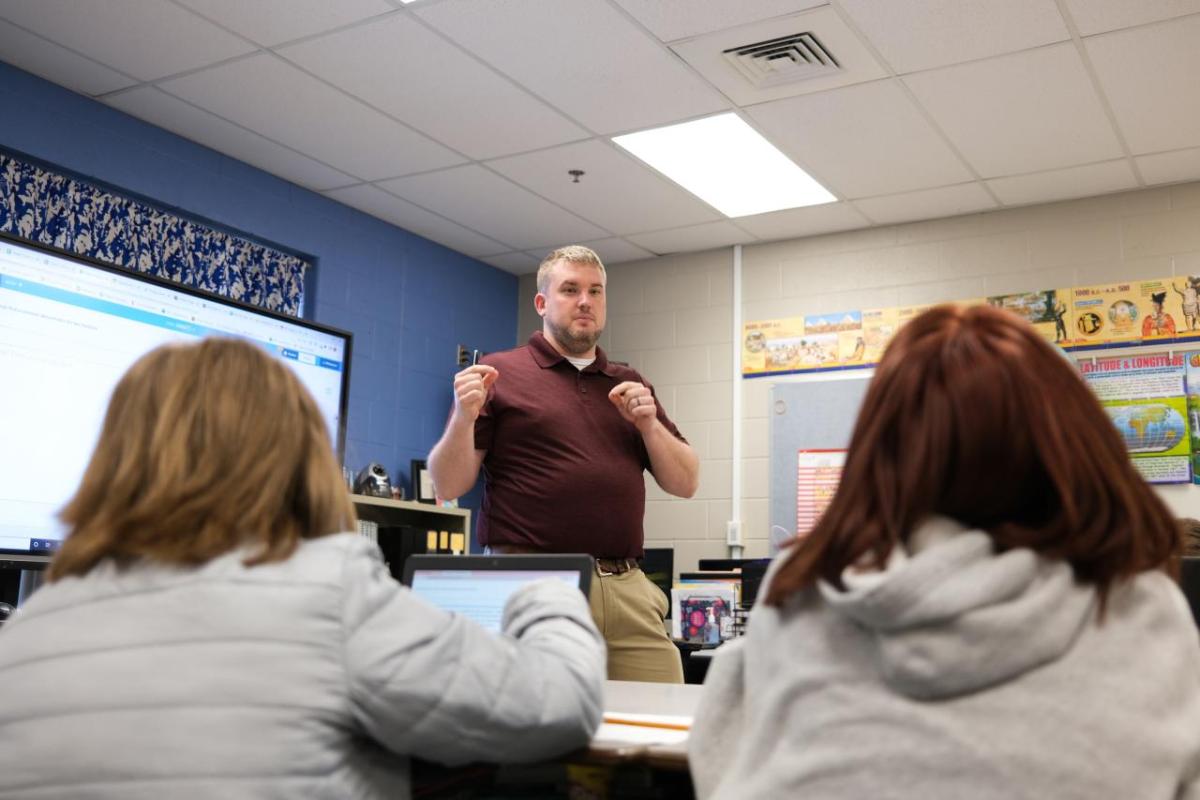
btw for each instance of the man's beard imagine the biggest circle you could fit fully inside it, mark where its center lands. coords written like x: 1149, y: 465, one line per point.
x: 576, y: 344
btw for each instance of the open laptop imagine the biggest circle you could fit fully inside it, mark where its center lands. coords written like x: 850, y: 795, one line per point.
x: 477, y: 587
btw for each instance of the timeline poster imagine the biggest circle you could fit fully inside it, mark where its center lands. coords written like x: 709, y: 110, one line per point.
x: 1106, y: 314
x: 906, y: 314
x: 1187, y: 290
x: 772, y: 345
x: 878, y: 325
x: 1046, y: 311
x: 829, y: 337
x: 817, y: 476
x: 1145, y: 396
x: 1161, y: 309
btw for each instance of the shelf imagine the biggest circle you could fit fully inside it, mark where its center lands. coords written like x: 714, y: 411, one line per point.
x: 409, y: 505
x: 389, y: 513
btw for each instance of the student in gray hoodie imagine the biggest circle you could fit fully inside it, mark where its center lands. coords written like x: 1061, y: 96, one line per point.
x: 210, y: 630
x: 984, y: 610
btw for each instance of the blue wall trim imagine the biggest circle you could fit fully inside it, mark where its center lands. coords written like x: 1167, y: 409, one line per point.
x: 407, y: 300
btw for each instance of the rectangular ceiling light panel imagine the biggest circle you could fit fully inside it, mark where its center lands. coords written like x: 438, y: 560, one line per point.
x: 728, y: 165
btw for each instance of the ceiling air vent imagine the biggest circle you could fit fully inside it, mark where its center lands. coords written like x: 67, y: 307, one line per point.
x: 786, y: 59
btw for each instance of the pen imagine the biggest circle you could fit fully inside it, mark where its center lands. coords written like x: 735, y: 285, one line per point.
x: 673, y: 726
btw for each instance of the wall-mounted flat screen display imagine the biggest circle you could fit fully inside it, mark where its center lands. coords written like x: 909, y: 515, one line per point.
x: 69, y: 328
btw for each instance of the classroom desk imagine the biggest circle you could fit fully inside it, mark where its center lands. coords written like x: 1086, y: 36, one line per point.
x: 621, y: 762
x: 624, y: 744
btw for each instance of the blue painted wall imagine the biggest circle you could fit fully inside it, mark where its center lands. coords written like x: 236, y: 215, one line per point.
x: 408, y: 301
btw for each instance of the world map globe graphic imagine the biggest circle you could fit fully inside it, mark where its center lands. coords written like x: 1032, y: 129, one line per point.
x: 1150, y: 428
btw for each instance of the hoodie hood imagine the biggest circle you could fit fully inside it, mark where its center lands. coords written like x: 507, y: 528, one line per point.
x: 954, y: 616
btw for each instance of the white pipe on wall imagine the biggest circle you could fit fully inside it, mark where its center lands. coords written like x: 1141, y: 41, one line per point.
x: 733, y: 528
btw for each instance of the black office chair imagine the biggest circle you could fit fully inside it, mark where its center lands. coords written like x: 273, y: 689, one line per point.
x: 1189, y: 582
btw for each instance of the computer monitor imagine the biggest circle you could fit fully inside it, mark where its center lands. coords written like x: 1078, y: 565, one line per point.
x: 658, y: 564
x: 1189, y: 582
x: 752, y: 571
x: 70, y: 327
x: 20, y: 575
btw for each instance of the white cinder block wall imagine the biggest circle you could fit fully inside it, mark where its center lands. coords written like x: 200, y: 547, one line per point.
x: 670, y: 318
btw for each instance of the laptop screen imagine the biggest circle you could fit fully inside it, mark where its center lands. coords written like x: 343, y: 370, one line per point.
x: 478, y: 587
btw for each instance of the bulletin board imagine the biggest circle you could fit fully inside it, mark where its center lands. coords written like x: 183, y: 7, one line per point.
x: 813, y: 415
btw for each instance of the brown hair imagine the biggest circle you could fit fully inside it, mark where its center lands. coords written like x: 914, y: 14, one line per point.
x: 205, y: 448
x: 575, y: 254
x: 972, y: 415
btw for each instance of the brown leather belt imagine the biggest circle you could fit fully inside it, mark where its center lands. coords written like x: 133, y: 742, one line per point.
x: 615, y: 566
x: 604, y: 566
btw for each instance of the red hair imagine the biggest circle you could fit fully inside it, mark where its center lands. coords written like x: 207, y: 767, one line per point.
x: 972, y: 415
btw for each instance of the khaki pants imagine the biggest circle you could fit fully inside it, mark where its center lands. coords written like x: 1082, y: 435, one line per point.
x: 629, y: 610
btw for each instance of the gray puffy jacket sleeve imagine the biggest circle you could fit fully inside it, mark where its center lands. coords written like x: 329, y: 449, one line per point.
x: 431, y: 684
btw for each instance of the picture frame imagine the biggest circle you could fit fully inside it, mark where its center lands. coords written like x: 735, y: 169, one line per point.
x: 422, y: 482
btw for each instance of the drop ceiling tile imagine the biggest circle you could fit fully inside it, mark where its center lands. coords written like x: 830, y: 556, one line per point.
x: 616, y: 192
x: 486, y: 202
x: 676, y: 19
x: 270, y: 22
x: 922, y: 34
x: 147, y: 39
x: 166, y: 111
x: 390, y: 208
x: 611, y: 251
x: 47, y: 60
x: 1173, y: 167
x: 1149, y: 76
x: 277, y: 100
x: 460, y: 102
x: 794, y: 223
x: 582, y: 56
x: 1019, y: 113
x: 696, y: 237
x: 856, y: 64
x: 1099, y: 16
x: 617, y: 251
x: 945, y: 201
x: 516, y: 263
x: 861, y: 141
x: 1061, y: 184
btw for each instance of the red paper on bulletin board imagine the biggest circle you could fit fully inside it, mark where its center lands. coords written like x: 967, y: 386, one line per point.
x: 818, y: 473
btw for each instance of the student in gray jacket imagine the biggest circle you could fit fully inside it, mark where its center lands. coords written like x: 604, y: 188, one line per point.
x: 207, y: 632
x: 984, y: 610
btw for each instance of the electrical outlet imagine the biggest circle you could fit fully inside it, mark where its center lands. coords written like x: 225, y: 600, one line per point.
x: 464, y: 356
x: 733, y: 533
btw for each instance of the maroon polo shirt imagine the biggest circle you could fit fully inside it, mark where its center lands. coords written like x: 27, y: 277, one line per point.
x: 563, y: 470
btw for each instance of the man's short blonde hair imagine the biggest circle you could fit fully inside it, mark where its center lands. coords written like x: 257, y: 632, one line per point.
x: 575, y: 253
